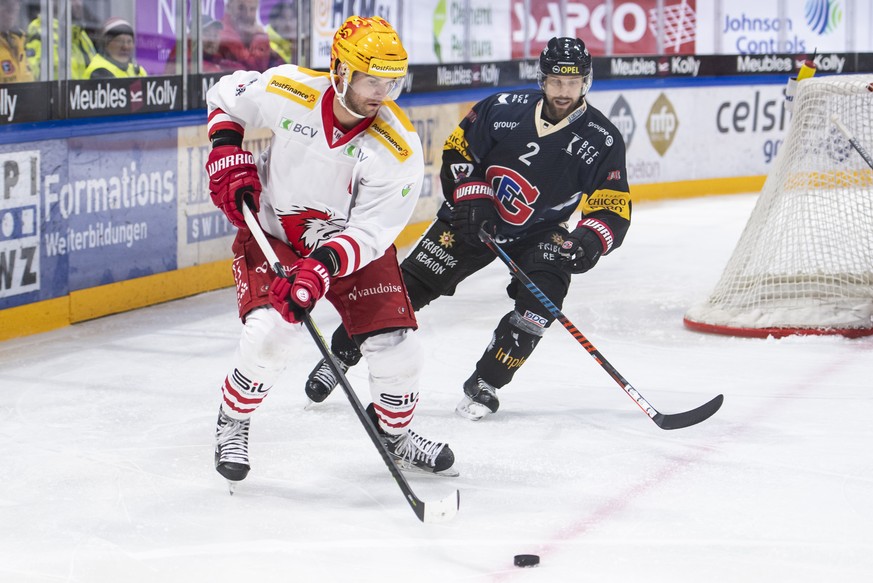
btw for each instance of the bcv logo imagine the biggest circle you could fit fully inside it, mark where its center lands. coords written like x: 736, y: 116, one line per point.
x: 294, y: 127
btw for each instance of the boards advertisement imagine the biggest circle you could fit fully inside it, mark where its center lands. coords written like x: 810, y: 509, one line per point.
x: 84, y: 212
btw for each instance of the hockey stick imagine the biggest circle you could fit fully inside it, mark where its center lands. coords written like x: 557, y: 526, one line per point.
x: 440, y: 511
x: 852, y: 140
x: 674, y: 421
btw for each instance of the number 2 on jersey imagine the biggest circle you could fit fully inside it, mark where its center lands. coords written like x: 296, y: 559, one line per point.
x: 534, y: 149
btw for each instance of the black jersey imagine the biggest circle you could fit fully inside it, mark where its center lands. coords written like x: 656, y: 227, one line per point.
x: 540, y: 172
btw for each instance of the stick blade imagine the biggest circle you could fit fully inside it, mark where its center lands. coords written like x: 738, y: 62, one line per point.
x: 689, y: 418
x: 440, y: 511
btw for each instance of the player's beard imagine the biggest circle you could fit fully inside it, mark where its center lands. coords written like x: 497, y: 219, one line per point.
x: 559, y: 107
x: 366, y: 107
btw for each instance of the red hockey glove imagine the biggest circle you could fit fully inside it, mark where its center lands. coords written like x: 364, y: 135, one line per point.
x: 583, y: 248
x: 473, y: 209
x: 306, y: 282
x: 232, y: 175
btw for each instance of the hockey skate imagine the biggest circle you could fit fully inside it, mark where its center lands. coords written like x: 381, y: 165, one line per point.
x: 480, y: 399
x: 322, y: 381
x: 231, y: 448
x: 414, y: 453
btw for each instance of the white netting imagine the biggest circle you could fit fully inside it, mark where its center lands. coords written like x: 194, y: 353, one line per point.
x: 804, y: 263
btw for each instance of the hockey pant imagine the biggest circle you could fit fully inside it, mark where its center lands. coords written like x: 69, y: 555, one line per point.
x: 268, y: 343
x: 433, y: 268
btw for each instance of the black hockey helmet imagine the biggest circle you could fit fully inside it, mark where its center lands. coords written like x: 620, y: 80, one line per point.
x: 565, y: 56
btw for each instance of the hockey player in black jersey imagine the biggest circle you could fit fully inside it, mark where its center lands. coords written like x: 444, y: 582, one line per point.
x: 519, y: 165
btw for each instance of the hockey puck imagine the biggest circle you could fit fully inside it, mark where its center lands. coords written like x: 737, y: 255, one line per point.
x: 526, y: 560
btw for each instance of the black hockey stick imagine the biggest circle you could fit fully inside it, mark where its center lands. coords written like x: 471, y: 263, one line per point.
x: 440, y: 511
x: 852, y: 140
x: 674, y: 421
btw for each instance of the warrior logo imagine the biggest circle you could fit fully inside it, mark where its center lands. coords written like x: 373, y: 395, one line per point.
x: 307, y: 228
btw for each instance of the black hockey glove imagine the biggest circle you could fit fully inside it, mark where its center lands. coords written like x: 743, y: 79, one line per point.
x: 581, y: 250
x: 473, y: 209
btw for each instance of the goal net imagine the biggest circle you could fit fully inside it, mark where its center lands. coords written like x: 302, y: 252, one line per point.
x: 804, y: 262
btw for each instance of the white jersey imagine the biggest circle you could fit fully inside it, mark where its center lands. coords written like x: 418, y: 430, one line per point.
x: 353, y: 192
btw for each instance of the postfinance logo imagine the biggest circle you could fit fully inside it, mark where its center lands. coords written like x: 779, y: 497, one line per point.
x: 391, y: 139
x: 823, y: 16
x: 290, y: 89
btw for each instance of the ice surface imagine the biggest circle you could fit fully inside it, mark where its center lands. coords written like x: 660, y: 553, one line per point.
x: 106, y: 440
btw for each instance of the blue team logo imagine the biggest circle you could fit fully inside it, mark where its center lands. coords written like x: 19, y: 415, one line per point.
x: 514, y: 193
x: 823, y: 16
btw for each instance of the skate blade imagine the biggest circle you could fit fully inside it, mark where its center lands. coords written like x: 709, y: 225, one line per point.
x: 231, y: 487
x: 310, y: 404
x: 470, y: 409
x: 415, y: 470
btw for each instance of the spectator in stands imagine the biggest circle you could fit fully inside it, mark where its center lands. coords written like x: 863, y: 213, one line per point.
x: 213, y: 62
x: 82, y: 46
x: 243, y: 40
x: 282, y: 30
x: 13, y: 63
x: 115, y: 58
x: 210, y: 30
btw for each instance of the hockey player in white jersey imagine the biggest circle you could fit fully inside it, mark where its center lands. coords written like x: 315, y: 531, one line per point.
x: 332, y: 192
x: 520, y: 163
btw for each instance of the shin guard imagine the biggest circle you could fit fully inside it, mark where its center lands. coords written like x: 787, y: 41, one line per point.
x: 265, y: 346
x: 513, y: 342
x: 394, y: 360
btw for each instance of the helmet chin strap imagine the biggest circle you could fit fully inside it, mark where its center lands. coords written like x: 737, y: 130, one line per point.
x: 341, y: 95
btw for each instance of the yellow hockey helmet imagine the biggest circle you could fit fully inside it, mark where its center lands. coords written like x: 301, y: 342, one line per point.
x: 369, y: 45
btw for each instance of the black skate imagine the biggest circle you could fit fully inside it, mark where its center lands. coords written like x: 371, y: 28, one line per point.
x: 480, y: 399
x: 232, y: 448
x: 322, y: 381
x: 414, y: 453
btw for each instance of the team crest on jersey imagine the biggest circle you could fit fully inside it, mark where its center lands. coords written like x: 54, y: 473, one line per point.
x: 447, y: 239
x: 241, y: 88
x: 307, y: 227
x: 514, y: 193
x: 461, y: 171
